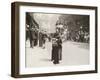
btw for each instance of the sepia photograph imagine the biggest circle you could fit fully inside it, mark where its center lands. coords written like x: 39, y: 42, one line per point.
x: 57, y: 39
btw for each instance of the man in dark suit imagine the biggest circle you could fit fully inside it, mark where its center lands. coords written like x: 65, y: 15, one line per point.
x: 40, y: 39
x: 32, y: 36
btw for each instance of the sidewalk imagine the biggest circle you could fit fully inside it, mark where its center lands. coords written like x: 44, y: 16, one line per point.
x: 73, y: 53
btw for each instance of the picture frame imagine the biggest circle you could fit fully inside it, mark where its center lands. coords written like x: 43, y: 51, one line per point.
x: 19, y: 68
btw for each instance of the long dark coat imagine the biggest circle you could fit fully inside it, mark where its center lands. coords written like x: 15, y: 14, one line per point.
x: 40, y: 39
x: 32, y: 37
x: 55, y: 54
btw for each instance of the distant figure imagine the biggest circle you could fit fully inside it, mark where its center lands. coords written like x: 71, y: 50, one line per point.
x: 43, y: 40
x: 32, y: 37
x: 27, y: 32
x: 36, y: 38
x: 40, y: 39
x: 86, y: 37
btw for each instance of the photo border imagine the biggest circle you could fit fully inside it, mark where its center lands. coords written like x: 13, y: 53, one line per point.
x: 15, y: 32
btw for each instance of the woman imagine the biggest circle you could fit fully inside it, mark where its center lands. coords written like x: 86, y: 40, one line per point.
x: 55, y: 51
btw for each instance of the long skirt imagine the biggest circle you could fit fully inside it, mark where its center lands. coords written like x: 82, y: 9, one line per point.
x: 55, y: 54
x: 60, y: 52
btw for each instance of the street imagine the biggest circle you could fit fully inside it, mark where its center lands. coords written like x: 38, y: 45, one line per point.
x: 73, y: 53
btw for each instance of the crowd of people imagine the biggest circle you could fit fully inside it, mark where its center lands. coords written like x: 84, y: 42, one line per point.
x: 78, y: 36
x: 35, y: 36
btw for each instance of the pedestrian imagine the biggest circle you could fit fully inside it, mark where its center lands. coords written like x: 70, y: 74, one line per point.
x: 43, y: 40
x: 32, y: 37
x: 40, y: 39
x: 27, y: 32
x: 35, y: 37
x: 55, y: 51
